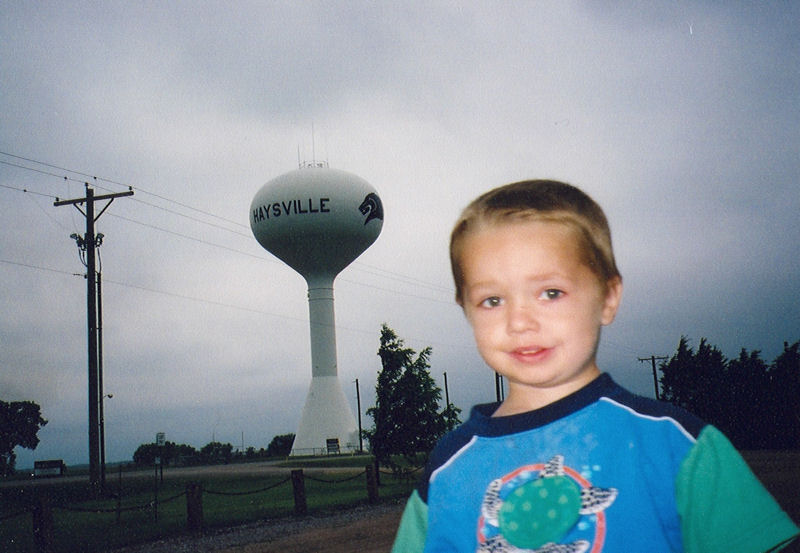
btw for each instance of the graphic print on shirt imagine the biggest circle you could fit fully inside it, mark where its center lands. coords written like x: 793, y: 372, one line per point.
x: 533, y: 508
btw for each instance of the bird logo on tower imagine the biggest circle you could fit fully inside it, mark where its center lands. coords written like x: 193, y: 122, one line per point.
x: 371, y: 207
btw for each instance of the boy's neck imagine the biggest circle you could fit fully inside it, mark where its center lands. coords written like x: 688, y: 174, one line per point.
x: 522, y: 399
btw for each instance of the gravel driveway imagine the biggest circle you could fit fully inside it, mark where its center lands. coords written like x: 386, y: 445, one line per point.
x: 365, y: 529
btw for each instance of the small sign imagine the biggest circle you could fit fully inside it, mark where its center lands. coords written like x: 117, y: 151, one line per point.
x: 333, y: 445
x: 160, y: 439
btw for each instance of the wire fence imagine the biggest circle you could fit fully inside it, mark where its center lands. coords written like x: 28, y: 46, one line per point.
x: 43, y: 507
x: 251, y: 492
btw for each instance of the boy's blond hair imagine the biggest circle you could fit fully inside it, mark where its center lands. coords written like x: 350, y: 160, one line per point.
x: 539, y: 200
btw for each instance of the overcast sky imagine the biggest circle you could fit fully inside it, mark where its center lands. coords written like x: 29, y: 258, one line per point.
x: 681, y: 119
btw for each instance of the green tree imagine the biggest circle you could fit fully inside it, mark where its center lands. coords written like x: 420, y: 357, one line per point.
x: 20, y: 422
x: 216, y: 453
x: 280, y: 446
x: 170, y: 453
x: 406, y: 416
x: 695, y: 381
x: 784, y: 391
x: 748, y: 410
x: 754, y: 403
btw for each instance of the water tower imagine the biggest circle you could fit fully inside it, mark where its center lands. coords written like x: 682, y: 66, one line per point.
x: 318, y: 220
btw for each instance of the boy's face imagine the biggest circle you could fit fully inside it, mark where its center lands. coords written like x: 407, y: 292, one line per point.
x: 535, y: 308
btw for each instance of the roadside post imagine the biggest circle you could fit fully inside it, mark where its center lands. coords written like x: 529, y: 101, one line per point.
x: 299, y: 488
x: 158, y: 463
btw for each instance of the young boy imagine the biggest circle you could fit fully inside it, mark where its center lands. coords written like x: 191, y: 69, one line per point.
x: 570, y: 462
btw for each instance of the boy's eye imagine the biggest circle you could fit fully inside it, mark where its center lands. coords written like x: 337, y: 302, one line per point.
x: 492, y: 301
x: 551, y: 294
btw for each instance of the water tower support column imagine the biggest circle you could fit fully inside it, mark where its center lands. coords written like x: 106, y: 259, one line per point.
x: 323, y: 329
x: 326, y: 413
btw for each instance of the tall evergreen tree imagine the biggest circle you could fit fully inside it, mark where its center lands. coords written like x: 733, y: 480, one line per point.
x: 406, y: 415
x: 757, y: 405
x: 748, y: 408
x: 784, y: 391
x: 695, y: 381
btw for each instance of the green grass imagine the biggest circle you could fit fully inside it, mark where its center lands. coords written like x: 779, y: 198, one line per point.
x: 92, y: 531
x: 354, y: 461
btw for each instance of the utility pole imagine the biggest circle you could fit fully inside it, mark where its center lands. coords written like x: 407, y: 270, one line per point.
x: 100, y: 393
x: 90, y: 242
x: 498, y: 387
x: 358, y: 403
x: 653, y: 360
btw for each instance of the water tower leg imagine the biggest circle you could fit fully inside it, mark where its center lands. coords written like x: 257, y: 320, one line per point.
x: 326, y: 414
x: 323, y: 330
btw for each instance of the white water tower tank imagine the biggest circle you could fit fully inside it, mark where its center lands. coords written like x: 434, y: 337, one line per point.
x: 318, y: 220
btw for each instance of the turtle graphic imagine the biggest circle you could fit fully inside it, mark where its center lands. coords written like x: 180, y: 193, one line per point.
x: 529, y: 510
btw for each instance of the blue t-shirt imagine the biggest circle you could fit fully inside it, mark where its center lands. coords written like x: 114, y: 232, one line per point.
x: 599, y: 470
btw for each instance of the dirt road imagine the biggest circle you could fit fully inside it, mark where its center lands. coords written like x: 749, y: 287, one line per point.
x: 368, y: 535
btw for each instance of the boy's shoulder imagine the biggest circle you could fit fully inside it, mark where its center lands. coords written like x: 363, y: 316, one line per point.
x: 476, y: 425
x: 649, y: 408
x: 453, y: 441
x: 603, y: 389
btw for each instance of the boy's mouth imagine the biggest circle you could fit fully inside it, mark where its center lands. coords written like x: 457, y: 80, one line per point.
x: 529, y: 353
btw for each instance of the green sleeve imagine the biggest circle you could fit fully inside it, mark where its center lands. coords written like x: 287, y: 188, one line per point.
x: 723, y: 506
x: 413, y: 526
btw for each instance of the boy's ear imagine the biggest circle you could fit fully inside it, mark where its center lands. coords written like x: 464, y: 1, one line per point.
x: 612, y: 300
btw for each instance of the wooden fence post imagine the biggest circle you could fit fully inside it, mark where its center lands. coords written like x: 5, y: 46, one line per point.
x: 194, y: 507
x: 299, y: 487
x: 372, y: 484
x: 43, y: 525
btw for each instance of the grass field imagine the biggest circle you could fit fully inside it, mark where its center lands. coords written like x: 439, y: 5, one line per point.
x: 232, y: 495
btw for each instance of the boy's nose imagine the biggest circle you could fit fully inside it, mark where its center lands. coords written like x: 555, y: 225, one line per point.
x: 522, y: 318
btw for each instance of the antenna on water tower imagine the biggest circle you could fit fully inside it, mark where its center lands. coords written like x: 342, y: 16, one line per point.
x: 318, y: 220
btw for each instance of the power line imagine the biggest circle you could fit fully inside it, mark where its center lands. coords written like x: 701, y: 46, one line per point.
x: 179, y: 214
x: 39, y: 267
x: 51, y: 196
x: 363, y: 267
x: 218, y: 303
x: 156, y: 291
x: 36, y: 170
x: 204, y: 300
x: 357, y: 266
x: 396, y: 276
x: 44, y: 164
x: 375, y: 270
x: 109, y: 181
x: 181, y: 235
x: 263, y: 258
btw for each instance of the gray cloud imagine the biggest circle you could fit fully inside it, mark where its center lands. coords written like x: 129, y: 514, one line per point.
x: 681, y: 119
